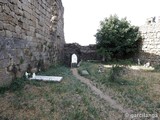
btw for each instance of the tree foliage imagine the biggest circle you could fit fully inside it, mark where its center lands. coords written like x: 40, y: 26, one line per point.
x: 117, y: 38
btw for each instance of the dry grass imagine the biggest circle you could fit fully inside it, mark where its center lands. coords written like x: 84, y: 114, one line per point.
x: 136, y: 89
x: 68, y: 100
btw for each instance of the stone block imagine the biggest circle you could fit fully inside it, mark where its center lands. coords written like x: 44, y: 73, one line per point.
x: 11, y: 6
x: 8, y: 18
x: 19, y: 4
x: 0, y: 8
x: 24, y: 36
x: 25, y: 2
x: 9, y: 27
x: 32, y: 29
x: 29, y: 33
x: 1, y: 25
x: 14, y: 35
x: 25, y: 26
x: 8, y: 33
x: 26, y: 8
x: 33, y: 18
x: 2, y: 33
x: 2, y: 16
x: 38, y: 35
x: 20, y: 12
x: 38, y: 12
x: 18, y: 29
x: 7, y: 9
x: 12, y: 14
x: 30, y: 1
x: 4, y: 1
x: 4, y: 63
x: 27, y: 15
x: 29, y: 38
x: 14, y: 1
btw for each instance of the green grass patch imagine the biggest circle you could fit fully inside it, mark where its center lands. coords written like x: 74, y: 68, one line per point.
x: 66, y: 100
x: 137, y: 90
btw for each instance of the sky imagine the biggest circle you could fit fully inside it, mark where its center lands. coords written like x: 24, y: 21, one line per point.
x: 82, y: 17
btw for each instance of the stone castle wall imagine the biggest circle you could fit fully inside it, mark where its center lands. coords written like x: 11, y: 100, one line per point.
x: 90, y: 52
x: 83, y: 53
x: 31, y: 34
x: 150, y: 48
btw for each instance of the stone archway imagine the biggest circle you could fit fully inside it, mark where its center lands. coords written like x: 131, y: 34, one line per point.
x: 74, y: 60
x: 69, y: 50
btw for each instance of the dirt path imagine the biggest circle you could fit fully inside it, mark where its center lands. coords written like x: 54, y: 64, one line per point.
x: 98, y: 92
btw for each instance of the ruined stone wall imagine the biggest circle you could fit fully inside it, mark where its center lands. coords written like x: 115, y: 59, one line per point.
x: 150, y: 48
x: 31, y: 34
x: 83, y: 52
x: 90, y: 52
x: 69, y: 49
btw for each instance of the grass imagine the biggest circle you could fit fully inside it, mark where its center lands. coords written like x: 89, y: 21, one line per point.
x: 122, y: 62
x: 67, y: 100
x: 138, y: 90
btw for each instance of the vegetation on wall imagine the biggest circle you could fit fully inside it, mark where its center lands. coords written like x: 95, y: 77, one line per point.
x: 117, y: 38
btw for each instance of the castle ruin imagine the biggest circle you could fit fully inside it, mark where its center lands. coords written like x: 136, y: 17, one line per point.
x: 150, y: 46
x: 31, y: 36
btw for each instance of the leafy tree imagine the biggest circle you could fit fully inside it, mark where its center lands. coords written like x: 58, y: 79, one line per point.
x: 117, y: 38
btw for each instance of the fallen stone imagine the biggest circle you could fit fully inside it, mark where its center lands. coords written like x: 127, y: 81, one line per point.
x: 84, y: 72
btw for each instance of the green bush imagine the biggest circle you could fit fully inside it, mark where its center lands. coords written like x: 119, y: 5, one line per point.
x: 115, y: 73
x: 3, y: 89
x: 157, y: 68
x: 117, y: 38
x: 16, y: 85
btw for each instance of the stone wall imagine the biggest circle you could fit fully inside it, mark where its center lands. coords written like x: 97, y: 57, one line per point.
x: 90, y: 52
x: 150, y: 48
x: 83, y: 52
x: 31, y: 36
x: 69, y: 49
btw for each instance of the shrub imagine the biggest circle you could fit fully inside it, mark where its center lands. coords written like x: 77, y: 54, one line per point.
x: 16, y: 85
x: 157, y: 68
x: 117, y: 38
x: 115, y: 73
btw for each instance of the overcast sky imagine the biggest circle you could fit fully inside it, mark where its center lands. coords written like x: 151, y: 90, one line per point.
x: 82, y: 17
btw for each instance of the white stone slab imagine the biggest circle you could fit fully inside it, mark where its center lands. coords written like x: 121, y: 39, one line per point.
x: 134, y: 67
x: 47, y: 78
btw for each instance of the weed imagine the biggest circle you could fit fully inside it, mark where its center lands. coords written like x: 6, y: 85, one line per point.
x: 115, y: 73
x: 17, y: 84
x: 3, y: 89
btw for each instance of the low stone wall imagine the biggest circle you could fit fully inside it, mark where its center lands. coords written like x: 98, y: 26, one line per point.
x: 31, y: 34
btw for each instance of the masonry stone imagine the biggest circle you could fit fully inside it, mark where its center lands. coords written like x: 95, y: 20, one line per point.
x: 2, y: 33
x: 1, y: 25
